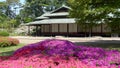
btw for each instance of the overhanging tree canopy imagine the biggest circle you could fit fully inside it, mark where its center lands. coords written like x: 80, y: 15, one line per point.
x: 93, y: 11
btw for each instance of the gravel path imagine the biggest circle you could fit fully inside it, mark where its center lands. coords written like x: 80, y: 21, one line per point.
x: 80, y: 40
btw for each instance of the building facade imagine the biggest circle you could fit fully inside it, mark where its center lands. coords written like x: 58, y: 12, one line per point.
x: 57, y: 22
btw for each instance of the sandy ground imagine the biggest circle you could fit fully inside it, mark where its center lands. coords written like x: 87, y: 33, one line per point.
x: 79, y: 40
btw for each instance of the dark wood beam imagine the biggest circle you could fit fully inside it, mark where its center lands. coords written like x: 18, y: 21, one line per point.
x: 36, y: 30
x: 43, y: 28
x: 58, y: 28
x: 28, y: 30
x: 77, y: 28
x: 50, y: 29
x: 67, y: 29
x: 101, y: 28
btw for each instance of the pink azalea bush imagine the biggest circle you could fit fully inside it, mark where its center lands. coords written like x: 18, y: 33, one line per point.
x: 7, y: 41
x: 44, y: 61
x: 55, y: 53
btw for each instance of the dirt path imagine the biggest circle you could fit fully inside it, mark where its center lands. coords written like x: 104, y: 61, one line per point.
x: 80, y: 40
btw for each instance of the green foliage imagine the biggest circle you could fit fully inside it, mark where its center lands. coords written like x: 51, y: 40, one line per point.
x: 114, y: 25
x: 8, y: 25
x: 13, y: 2
x: 4, y: 33
x: 27, y: 19
x: 35, y: 8
x: 5, y: 42
x: 6, y: 7
x: 7, y: 15
x: 94, y: 11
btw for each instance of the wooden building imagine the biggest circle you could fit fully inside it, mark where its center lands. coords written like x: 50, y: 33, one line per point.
x: 57, y: 22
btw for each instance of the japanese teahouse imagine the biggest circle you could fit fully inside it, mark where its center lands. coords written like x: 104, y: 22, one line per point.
x: 57, y: 22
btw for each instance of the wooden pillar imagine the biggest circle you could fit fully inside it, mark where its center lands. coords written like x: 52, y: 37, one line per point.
x: 43, y: 28
x: 86, y: 30
x: 50, y: 29
x: 77, y: 29
x: 58, y: 28
x: 28, y: 30
x: 67, y: 29
x: 37, y: 30
x: 101, y: 29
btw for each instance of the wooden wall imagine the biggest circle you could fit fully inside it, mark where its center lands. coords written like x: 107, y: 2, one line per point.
x: 72, y: 29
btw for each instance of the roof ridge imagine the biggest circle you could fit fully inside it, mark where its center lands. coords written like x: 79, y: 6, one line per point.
x: 60, y: 8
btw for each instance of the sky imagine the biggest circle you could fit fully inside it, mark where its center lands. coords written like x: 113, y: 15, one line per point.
x: 17, y: 10
x: 21, y: 1
x: 2, y: 0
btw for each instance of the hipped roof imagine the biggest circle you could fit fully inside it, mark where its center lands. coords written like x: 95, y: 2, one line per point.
x: 57, y: 14
x: 45, y: 18
x: 53, y: 21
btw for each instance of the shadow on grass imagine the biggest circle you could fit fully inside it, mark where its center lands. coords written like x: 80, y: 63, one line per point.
x: 108, y: 44
x: 7, y: 53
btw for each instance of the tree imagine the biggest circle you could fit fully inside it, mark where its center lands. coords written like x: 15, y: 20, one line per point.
x: 35, y: 8
x: 3, y: 16
x: 93, y: 11
x: 9, y: 5
x: 53, y: 4
x: 7, y: 15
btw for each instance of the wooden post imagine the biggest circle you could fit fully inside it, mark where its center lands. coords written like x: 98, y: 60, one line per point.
x: 58, y: 28
x: 85, y: 30
x: 77, y: 29
x: 101, y: 28
x: 28, y: 30
x: 40, y: 30
x: 43, y: 29
x: 67, y: 29
x: 37, y: 30
x: 50, y: 29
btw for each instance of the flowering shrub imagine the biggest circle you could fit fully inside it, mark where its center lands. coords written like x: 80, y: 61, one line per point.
x: 49, y: 47
x: 61, y: 54
x: 44, y: 61
x: 6, y: 41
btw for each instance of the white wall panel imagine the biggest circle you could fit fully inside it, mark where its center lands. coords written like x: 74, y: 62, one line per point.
x: 72, y: 27
x: 63, y: 27
x: 54, y: 27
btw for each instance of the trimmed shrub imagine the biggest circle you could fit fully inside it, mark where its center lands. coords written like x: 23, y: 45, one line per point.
x: 4, y: 33
x: 6, y: 41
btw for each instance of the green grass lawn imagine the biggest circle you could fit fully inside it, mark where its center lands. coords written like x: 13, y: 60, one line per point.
x: 6, y: 51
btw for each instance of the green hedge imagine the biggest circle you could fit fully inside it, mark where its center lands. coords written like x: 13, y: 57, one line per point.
x: 4, y: 33
x: 6, y: 41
